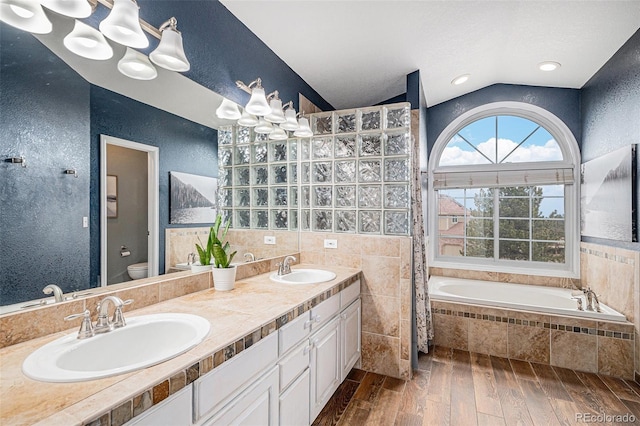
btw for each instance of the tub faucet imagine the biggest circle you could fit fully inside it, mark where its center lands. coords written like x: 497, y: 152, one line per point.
x: 593, y: 304
x: 103, y: 325
x: 57, y: 292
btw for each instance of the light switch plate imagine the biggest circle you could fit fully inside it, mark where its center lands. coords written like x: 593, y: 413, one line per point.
x: 269, y: 239
x: 85, y: 222
x: 332, y: 244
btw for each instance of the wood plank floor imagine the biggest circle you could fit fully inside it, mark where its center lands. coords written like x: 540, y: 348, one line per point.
x: 458, y: 388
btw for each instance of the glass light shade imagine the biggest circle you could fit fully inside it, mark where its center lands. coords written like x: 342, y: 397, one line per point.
x: 278, y: 134
x: 228, y: 110
x: 263, y: 127
x: 290, y: 123
x: 136, y: 65
x: 258, y: 103
x: 276, y: 115
x: 248, y: 120
x: 304, y: 131
x: 25, y: 15
x: 123, y: 25
x: 88, y: 42
x: 170, y: 53
x: 72, y: 8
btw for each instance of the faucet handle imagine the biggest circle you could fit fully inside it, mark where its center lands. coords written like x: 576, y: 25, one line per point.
x: 86, y: 328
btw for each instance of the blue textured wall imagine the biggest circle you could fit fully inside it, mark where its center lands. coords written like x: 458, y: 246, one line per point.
x: 564, y: 103
x: 611, y: 111
x: 184, y: 146
x: 44, y: 115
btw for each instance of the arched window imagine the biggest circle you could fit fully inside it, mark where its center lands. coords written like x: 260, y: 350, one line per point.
x: 504, y: 192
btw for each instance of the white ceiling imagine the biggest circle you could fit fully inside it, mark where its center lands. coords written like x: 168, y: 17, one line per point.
x: 358, y: 53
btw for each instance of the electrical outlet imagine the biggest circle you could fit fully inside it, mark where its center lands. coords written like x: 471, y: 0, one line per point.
x: 269, y: 240
x: 332, y: 244
x: 85, y: 222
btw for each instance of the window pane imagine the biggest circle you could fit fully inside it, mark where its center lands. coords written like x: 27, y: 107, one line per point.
x: 541, y: 146
x: 549, y: 252
x: 514, y: 250
x: 480, y: 207
x: 548, y: 230
x: 479, y: 228
x: 511, y: 132
x: 514, y: 228
x: 479, y: 248
x: 451, y: 246
x: 514, y: 207
x: 551, y: 207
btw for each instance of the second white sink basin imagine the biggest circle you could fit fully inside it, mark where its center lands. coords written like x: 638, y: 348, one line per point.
x: 145, y: 341
x: 304, y: 276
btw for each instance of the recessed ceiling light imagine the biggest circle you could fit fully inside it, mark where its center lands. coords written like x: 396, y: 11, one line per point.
x: 460, y: 79
x: 549, y: 66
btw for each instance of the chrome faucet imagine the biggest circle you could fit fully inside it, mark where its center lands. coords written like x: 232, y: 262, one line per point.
x: 86, y: 328
x: 593, y: 304
x: 103, y: 325
x: 249, y: 257
x: 284, y: 268
x: 57, y: 292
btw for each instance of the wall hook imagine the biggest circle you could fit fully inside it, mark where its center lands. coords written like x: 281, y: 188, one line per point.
x: 17, y: 160
x: 73, y: 172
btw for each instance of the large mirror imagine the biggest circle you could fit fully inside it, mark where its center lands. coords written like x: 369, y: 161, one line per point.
x: 54, y: 112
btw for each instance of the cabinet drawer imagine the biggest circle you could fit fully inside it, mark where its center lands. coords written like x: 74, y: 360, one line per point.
x: 293, y: 364
x: 349, y: 294
x: 175, y: 410
x: 292, y: 333
x: 323, y: 312
x: 222, y: 384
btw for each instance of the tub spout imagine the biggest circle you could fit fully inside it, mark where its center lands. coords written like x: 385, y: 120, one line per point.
x: 593, y: 304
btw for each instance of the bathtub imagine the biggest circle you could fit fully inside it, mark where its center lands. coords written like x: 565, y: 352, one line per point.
x: 550, y: 300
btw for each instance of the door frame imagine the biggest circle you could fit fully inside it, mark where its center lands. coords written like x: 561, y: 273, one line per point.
x: 153, y: 206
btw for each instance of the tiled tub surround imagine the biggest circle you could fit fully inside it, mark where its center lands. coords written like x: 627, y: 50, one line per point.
x: 386, y: 264
x: 20, y: 326
x: 182, y: 241
x: 580, y: 344
x: 236, y: 324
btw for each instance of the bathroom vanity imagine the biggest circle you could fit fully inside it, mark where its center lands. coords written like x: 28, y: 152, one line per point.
x: 275, y: 354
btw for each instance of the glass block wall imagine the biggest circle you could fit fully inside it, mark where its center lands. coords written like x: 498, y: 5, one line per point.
x: 352, y: 176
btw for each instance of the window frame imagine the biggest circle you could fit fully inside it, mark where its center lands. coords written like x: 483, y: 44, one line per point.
x: 571, y: 160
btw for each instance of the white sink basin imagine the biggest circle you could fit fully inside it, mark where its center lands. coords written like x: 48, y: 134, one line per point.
x: 145, y: 340
x: 303, y: 276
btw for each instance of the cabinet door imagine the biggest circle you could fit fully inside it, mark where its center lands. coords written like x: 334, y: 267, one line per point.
x: 350, y: 328
x: 325, y: 365
x: 175, y: 410
x: 294, y: 402
x: 257, y: 405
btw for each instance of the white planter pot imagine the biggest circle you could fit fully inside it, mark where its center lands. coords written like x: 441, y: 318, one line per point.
x: 200, y: 268
x: 224, y: 278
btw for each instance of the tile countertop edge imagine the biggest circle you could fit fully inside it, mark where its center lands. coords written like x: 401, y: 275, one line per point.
x: 127, y: 395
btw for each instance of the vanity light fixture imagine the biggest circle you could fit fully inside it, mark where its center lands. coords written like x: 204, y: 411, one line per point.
x: 248, y: 120
x: 71, y: 8
x: 26, y: 15
x: 549, y: 66
x: 460, y: 79
x: 136, y: 65
x: 263, y: 127
x: 88, y: 42
x: 258, y: 104
x: 170, y: 52
x: 291, y: 122
x: 304, y: 130
x: 229, y: 110
x: 276, y: 115
x: 278, y: 134
x: 123, y: 25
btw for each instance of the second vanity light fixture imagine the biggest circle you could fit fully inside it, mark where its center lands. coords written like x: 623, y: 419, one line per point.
x: 122, y: 26
x: 266, y: 113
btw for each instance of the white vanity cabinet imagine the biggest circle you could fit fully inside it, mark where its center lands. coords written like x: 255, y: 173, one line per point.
x: 325, y: 365
x: 175, y: 410
x: 350, y: 335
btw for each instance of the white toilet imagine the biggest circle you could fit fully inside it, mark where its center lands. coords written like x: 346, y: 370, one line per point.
x: 138, y: 270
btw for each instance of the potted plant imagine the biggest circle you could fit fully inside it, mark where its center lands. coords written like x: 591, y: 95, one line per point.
x: 205, y: 253
x: 224, y: 273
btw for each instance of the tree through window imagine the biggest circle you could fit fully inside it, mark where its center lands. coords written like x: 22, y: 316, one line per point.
x: 500, y: 190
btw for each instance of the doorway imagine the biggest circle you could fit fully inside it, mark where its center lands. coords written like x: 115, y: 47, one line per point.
x: 129, y: 233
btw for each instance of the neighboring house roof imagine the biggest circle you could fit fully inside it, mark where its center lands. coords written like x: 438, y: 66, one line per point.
x: 449, y: 206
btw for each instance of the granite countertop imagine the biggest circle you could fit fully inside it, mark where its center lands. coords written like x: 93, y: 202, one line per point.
x: 254, y: 303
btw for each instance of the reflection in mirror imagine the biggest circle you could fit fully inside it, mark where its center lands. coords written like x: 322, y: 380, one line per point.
x: 53, y: 113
